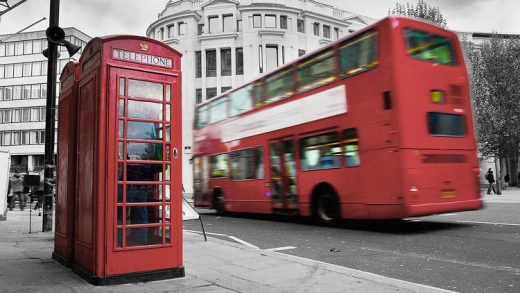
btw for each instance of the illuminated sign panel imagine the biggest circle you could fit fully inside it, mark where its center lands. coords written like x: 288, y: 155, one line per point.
x: 142, y: 58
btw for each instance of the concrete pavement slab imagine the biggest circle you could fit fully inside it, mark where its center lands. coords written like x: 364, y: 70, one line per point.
x: 213, y: 266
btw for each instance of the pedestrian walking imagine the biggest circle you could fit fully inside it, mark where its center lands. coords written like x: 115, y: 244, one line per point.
x: 506, y: 180
x: 491, y: 181
x: 18, y: 192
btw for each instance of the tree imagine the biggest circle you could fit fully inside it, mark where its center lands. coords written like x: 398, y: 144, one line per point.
x: 420, y: 11
x: 494, y: 70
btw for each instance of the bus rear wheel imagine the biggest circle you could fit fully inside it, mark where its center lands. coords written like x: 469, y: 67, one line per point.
x: 326, y: 209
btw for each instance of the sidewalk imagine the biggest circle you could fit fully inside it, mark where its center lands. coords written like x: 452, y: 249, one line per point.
x: 510, y: 195
x: 214, y: 266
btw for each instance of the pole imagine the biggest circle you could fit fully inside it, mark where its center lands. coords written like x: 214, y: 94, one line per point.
x: 48, y: 195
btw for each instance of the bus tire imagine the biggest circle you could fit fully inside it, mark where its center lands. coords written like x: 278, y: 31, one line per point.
x: 218, y: 202
x: 326, y: 208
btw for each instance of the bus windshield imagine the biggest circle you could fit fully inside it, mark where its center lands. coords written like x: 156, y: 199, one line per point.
x: 426, y: 46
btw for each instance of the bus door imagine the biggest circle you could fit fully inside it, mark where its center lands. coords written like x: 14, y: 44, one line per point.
x: 282, y: 175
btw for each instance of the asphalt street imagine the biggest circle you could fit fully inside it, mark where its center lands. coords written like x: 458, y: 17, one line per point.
x: 465, y: 252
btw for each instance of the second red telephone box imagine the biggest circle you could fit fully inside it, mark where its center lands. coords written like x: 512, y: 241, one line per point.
x: 129, y: 189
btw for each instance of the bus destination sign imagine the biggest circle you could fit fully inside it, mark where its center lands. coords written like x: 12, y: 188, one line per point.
x: 142, y: 58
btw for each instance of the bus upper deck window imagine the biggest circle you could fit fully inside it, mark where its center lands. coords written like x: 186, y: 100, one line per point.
x: 426, y: 46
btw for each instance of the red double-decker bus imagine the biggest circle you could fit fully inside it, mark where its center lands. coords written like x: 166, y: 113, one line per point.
x: 377, y: 125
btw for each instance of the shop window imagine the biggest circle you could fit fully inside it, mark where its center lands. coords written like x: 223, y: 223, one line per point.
x: 321, y: 151
x: 351, y: 147
x: 316, y: 71
x: 218, y: 166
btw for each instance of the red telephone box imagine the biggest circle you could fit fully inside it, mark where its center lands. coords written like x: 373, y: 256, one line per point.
x: 129, y: 206
x: 66, y: 163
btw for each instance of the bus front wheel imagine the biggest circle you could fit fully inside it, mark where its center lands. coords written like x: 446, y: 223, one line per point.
x: 326, y: 209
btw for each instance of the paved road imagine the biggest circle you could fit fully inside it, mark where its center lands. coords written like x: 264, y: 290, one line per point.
x: 465, y: 252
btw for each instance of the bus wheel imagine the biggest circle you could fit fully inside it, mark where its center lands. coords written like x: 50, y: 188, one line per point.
x: 219, y: 203
x: 327, y: 208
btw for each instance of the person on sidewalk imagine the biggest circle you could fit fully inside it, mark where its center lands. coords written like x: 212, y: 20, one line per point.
x: 18, y: 192
x: 506, y: 181
x: 491, y: 181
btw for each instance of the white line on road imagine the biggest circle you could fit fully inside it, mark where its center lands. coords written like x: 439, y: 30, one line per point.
x: 243, y: 242
x: 207, y: 233
x: 281, y: 248
x: 488, y: 223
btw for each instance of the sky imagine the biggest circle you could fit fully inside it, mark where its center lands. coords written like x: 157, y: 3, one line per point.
x: 108, y: 17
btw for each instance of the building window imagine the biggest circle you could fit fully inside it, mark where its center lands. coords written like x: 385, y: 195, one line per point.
x: 316, y: 28
x: 2, y: 75
x: 9, y: 49
x: 213, y: 24
x: 18, y: 70
x: 18, y: 48
x: 211, y: 92
x: 2, y: 49
x: 26, y: 92
x: 239, y: 61
x: 301, y: 52
x: 225, y: 62
x: 198, y: 64
x: 198, y: 96
x: 271, y: 56
x: 182, y: 28
x: 224, y: 89
x: 36, y: 68
x: 37, y: 46
x: 326, y: 31
x: 211, y: 63
x: 336, y: 33
x: 200, y: 29
x: 257, y: 21
x: 301, y: 25
x: 260, y: 59
x: 27, y: 69
x: 283, y: 21
x: 171, y: 31
x: 239, y: 25
x: 27, y: 47
x: 227, y: 23
x: 270, y: 21
x: 9, y: 69
x: 161, y: 33
x: 17, y: 92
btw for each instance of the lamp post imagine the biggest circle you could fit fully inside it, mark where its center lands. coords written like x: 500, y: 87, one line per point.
x: 50, y: 166
x: 55, y: 37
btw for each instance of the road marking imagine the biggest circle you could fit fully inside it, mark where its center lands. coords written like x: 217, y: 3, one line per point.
x: 207, y: 233
x: 281, y: 248
x: 244, y: 242
x: 488, y: 223
x: 449, y: 215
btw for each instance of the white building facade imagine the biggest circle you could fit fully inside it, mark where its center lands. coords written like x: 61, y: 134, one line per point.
x: 228, y: 42
x: 23, y: 92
